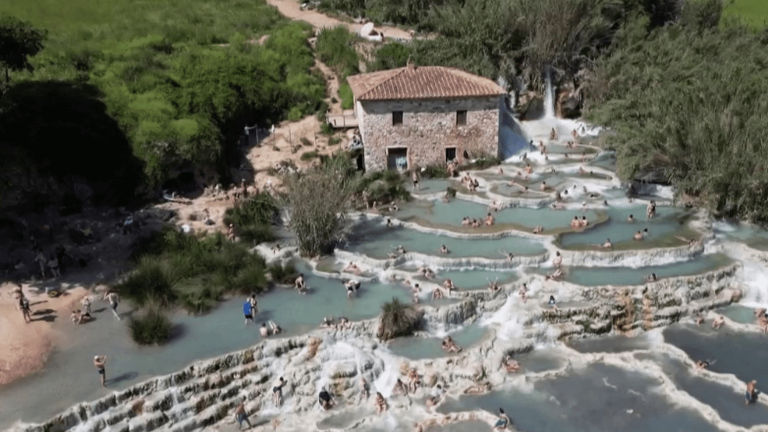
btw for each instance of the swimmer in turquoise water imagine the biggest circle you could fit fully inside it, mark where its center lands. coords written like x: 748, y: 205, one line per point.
x: 503, y: 421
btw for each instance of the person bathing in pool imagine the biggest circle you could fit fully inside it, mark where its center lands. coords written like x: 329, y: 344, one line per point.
x: 751, y: 393
x: 300, y: 284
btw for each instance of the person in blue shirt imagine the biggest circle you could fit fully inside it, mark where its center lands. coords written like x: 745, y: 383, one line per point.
x: 247, y: 311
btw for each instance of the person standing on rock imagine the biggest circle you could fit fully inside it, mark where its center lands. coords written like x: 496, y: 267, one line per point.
x: 277, y: 392
x: 100, y: 362
x: 254, y: 304
x: 114, y: 300
x: 415, y: 179
x: 325, y: 399
x: 242, y: 416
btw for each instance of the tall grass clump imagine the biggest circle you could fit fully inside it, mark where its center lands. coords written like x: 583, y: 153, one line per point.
x: 398, y: 319
x: 151, y: 327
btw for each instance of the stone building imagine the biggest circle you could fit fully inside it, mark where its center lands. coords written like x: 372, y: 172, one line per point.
x: 423, y: 115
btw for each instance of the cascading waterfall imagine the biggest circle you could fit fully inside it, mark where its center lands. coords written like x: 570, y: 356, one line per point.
x: 549, y: 98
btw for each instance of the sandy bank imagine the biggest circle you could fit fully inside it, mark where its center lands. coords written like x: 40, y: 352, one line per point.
x: 26, y: 345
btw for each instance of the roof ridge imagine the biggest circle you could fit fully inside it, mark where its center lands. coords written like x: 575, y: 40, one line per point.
x: 402, y: 69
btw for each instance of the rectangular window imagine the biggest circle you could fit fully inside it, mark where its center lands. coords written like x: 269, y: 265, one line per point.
x: 461, y: 118
x: 397, y: 118
x: 450, y: 154
x: 397, y: 158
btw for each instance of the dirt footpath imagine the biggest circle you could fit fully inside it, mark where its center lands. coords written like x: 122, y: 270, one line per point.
x: 292, y: 10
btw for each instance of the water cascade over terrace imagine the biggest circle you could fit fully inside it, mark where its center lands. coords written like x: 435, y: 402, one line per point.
x: 617, y: 352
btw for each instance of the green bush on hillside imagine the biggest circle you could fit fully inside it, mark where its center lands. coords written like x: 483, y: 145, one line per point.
x: 183, y: 270
x: 335, y: 48
x: 178, y: 83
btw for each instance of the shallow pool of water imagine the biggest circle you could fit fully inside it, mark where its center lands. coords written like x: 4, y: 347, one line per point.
x: 596, y: 276
x: 600, y: 398
x: 613, y: 344
x: 663, y: 228
x: 450, y: 214
x: 473, y: 279
x: 375, y: 240
x: 69, y: 376
x: 742, y: 354
x: 739, y: 314
x: 729, y: 403
x: 417, y: 348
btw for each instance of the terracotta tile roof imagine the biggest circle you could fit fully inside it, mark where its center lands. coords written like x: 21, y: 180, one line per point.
x: 421, y: 82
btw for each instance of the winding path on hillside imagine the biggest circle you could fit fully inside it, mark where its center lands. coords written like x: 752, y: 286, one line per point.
x: 292, y: 10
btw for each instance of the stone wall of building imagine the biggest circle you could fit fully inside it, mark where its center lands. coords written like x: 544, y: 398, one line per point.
x: 428, y: 128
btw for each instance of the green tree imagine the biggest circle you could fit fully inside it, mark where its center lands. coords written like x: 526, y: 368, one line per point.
x: 18, y: 42
x: 319, y: 200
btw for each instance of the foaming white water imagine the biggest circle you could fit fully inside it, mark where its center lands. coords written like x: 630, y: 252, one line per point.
x: 510, y: 319
x: 754, y: 277
x: 549, y: 99
x: 724, y: 226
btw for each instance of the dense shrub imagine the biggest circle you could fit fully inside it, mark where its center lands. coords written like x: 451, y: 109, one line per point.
x: 384, y: 186
x: 286, y: 274
x: 335, y: 49
x: 435, y: 172
x: 183, y: 270
x: 390, y: 56
x: 398, y: 319
x: 253, y: 218
x: 686, y: 106
x: 152, y: 327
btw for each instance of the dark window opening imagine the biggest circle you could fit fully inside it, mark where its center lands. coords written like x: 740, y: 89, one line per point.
x: 397, y: 118
x: 466, y: 155
x: 450, y: 154
x: 461, y: 118
x: 397, y: 158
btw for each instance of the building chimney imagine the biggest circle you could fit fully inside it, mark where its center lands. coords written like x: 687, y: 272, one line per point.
x: 410, y: 64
